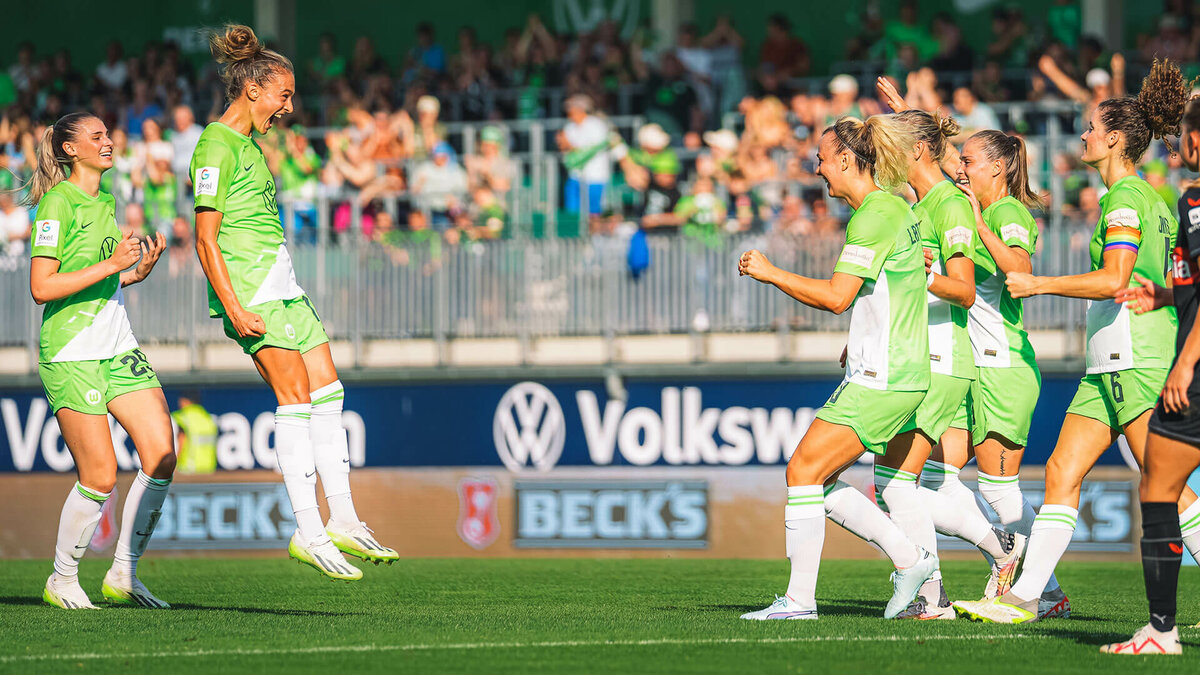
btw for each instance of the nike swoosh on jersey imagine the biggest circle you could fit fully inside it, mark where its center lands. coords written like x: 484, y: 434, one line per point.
x: 84, y: 227
x: 247, y: 168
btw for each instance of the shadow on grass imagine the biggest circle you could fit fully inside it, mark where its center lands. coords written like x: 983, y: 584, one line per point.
x: 261, y: 610
x: 868, y: 609
x: 22, y: 600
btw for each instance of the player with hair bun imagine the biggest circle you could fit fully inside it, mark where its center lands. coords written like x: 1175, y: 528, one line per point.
x: 253, y: 290
x: 89, y: 360
x: 1128, y: 355
x: 881, y: 273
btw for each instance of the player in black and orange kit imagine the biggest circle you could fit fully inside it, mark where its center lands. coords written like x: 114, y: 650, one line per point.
x: 1173, y: 446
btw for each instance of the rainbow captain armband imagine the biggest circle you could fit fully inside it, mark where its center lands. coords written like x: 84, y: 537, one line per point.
x: 1123, y: 231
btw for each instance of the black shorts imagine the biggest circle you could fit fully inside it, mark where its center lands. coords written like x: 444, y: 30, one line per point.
x: 1183, y: 427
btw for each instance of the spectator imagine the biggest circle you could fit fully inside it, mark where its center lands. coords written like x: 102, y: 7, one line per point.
x: 14, y: 226
x: 366, y: 63
x: 428, y: 132
x: 653, y: 155
x: 660, y: 201
x: 905, y: 29
x: 748, y: 211
x: 185, y: 133
x: 181, y: 252
x: 843, y: 99
x: 141, y: 108
x: 702, y: 214
x: 794, y: 218
x: 725, y: 46
x: 135, y: 220
x: 196, y: 438
x: 24, y: 71
x: 486, y: 219
x: 491, y: 168
x: 786, y: 53
x: 671, y: 100
x: 585, y: 141
x: 1155, y: 172
x: 1100, y: 85
x: 1009, y: 44
x: 972, y: 114
x: 298, y: 166
x: 1064, y: 21
x: 440, y: 185
x: 157, y: 180
x: 427, y: 58
x: 327, y: 65
x: 952, y: 52
x: 113, y: 73
x: 1170, y: 43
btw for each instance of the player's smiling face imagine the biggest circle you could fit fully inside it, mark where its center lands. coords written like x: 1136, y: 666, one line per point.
x: 829, y: 162
x: 974, y: 168
x: 271, y: 100
x: 91, y: 146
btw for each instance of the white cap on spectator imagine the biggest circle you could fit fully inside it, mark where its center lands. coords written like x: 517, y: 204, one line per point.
x: 429, y: 104
x: 721, y: 139
x: 843, y: 84
x: 582, y: 101
x: 1098, y: 77
x: 651, y: 136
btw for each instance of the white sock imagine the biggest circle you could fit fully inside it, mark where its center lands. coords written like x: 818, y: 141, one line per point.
x: 898, y: 490
x: 1052, y: 530
x: 954, y: 508
x: 293, y: 448
x: 1003, y: 494
x: 76, y: 525
x: 1189, y: 527
x: 143, y: 506
x: 331, y: 453
x: 804, y: 536
x: 852, y: 510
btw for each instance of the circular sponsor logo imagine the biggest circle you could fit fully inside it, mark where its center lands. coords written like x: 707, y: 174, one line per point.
x: 204, y: 174
x: 529, y: 429
x: 291, y: 332
x: 93, y: 397
x: 46, y: 226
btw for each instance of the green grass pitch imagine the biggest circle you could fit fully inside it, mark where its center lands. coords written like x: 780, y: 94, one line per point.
x: 454, y: 615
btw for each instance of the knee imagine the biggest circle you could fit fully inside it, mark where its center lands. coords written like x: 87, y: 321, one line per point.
x: 800, y: 472
x: 1062, y: 476
x: 163, y: 468
x: 104, y: 482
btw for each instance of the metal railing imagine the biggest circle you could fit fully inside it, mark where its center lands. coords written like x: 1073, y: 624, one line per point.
x: 524, y: 290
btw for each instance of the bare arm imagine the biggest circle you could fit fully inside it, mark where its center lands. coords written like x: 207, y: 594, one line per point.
x: 208, y: 225
x: 1061, y: 80
x: 832, y: 295
x: 958, y: 284
x: 1102, y: 284
x: 1009, y: 259
x: 46, y: 283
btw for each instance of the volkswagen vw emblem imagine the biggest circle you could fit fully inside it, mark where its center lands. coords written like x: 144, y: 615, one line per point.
x: 528, y: 428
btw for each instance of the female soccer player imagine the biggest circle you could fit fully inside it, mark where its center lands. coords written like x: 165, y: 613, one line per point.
x: 993, y: 173
x: 89, y: 361
x: 253, y: 289
x: 881, y: 273
x: 1173, y: 446
x: 1128, y: 354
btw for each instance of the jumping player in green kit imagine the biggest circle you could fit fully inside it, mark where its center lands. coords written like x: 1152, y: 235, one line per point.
x: 1128, y: 354
x: 253, y: 290
x: 89, y: 360
x: 881, y: 274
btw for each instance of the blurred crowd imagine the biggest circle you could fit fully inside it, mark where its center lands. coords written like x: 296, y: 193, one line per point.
x: 726, y: 146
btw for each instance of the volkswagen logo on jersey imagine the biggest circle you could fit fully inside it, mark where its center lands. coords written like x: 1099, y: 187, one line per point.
x: 107, y: 246
x: 528, y: 428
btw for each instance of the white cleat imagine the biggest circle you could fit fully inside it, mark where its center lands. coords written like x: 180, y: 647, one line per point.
x: 906, y: 583
x: 359, y: 541
x: 783, y: 608
x: 65, y: 592
x: 997, y: 610
x: 324, y: 557
x: 1004, y: 570
x: 1054, y: 605
x: 1147, y: 641
x: 120, y: 589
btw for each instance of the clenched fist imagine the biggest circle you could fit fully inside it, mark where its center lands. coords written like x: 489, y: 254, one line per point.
x: 755, y: 265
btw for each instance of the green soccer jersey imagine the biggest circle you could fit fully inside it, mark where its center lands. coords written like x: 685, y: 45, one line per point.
x: 948, y: 229
x: 996, y: 322
x: 230, y: 175
x: 888, y: 346
x: 79, y: 230
x: 1133, y: 217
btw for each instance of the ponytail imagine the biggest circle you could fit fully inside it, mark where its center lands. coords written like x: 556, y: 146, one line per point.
x: 245, y: 58
x: 931, y: 129
x: 881, y: 146
x: 52, y: 161
x: 1011, y: 151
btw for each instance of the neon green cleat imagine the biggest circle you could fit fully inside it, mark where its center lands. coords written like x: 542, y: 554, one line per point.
x: 323, y: 557
x: 65, y: 592
x: 119, y: 590
x: 358, y: 541
x: 996, y: 611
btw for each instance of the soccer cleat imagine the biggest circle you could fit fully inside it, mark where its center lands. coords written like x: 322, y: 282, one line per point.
x: 906, y: 583
x: 65, y: 592
x: 997, y: 610
x: 920, y: 610
x: 1054, y: 605
x: 357, y: 540
x: 121, y: 590
x: 1004, y: 570
x: 324, y: 557
x: 1147, y: 641
x: 783, y: 608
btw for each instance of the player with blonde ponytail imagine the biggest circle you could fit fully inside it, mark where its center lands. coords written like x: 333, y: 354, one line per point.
x: 253, y: 290
x: 89, y: 360
x: 881, y: 274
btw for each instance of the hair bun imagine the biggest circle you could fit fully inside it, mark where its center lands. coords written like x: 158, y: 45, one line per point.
x: 948, y: 126
x: 236, y: 43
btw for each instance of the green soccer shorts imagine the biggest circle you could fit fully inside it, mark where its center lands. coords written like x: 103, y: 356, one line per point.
x: 875, y: 415
x: 291, y: 324
x: 941, y: 406
x: 1002, y: 402
x: 963, y: 417
x: 1119, y: 397
x: 88, y: 386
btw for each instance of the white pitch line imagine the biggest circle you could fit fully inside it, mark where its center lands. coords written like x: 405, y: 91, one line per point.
x: 464, y: 646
